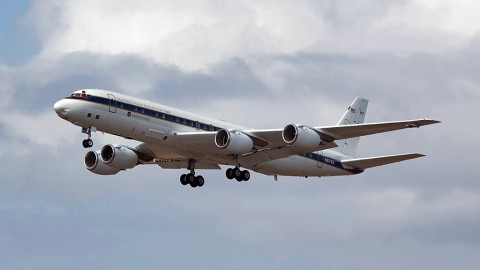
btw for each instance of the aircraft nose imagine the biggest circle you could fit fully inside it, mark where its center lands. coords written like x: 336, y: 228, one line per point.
x: 60, y: 107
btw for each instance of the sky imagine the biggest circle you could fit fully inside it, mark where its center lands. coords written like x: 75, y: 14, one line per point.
x: 261, y: 64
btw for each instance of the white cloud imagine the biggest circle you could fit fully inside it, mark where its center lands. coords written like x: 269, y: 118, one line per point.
x: 459, y: 18
x: 188, y: 34
x: 345, y: 217
x: 27, y: 131
x: 194, y: 35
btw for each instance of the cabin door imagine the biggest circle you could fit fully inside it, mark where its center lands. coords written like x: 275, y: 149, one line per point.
x: 112, y: 103
x: 319, y: 159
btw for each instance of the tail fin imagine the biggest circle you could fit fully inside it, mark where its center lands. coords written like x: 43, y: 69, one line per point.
x: 355, y: 114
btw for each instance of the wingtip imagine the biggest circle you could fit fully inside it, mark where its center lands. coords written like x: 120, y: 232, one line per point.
x: 414, y: 155
x: 432, y: 121
x: 423, y: 122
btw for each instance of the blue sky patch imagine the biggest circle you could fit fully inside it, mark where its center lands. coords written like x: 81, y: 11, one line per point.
x: 19, y: 42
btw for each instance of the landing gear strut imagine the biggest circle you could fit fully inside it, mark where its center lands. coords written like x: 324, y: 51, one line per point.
x: 190, y: 178
x: 87, y: 143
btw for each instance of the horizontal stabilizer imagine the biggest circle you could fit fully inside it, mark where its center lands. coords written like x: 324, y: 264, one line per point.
x: 365, y: 163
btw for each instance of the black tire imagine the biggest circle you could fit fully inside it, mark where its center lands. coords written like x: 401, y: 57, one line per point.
x: 183, y: 179
x: 236, y: 172
x: 190, y: 178
x: 229, y: 173
x: 89, y: 143
x: 246, y: 175
x: 84, y: 144
x: 200, y: 180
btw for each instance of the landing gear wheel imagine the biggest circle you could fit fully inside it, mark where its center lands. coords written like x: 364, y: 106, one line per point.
x: 229, y: 173
x: 245, y: 175
x: 183, y: 179
x: 236, y: 173
x: 190, y: 178
x: 87, y: 143
x: 199, y: 180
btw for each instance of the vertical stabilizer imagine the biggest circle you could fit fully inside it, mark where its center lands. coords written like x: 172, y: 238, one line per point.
x: 355, y: 114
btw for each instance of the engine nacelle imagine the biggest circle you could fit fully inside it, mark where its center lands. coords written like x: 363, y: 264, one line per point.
x: 233, y: 142
x: 301, y: 137
x: 94, y: 164
x: 119, y: 157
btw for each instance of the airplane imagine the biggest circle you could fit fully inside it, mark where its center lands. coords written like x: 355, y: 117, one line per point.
x: 176, y: 139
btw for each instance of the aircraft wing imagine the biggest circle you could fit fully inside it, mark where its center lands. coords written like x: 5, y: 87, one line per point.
x: 350, y: 131
x: 273, y: 137
x: 365, y: 163
x: 200, y: 146
x: 269, y: 144
x: 263, y: 140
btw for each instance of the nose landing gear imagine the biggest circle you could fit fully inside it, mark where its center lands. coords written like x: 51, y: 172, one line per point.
x: 87, y: 143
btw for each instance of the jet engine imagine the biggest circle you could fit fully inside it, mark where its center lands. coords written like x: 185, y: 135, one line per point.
x: 301, y: 137
x: 233, y: 142
x: 119, y: 157
x: 94, y: 164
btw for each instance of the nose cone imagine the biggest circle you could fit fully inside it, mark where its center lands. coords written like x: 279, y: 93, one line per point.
x: 60, y: 108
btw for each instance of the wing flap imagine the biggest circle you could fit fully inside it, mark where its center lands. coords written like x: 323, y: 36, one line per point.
x: 267, y: 137
x: 365, y: 163
x: 183, y: 164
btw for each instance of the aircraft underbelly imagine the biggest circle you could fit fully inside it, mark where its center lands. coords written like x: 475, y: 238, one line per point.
x: 298, y: 166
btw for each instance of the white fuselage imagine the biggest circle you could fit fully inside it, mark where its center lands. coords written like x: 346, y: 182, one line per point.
x: 157, y: 125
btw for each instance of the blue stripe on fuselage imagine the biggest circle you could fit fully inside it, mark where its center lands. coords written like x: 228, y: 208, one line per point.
x: 330, y: 161
x: 148, y: 112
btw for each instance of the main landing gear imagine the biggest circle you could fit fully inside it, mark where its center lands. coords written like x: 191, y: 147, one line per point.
x: 238, y: 174
x: 194, y: 181
x: 190, y: 178
x: 198, y: 181
x: 87, y: 143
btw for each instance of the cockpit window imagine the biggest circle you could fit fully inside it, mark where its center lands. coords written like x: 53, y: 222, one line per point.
x: 77, y: 95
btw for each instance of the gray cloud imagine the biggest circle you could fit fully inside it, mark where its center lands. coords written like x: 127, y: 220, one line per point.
x: 415, y: 215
